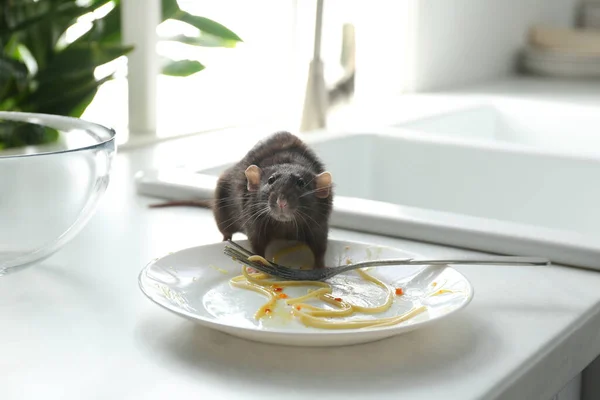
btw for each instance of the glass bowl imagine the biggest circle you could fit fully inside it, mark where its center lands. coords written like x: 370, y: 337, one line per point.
x: 48, y: 192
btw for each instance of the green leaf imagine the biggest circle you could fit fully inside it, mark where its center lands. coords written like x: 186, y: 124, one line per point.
x: 81, y: 58
x: 34, y: 25
x: 39, y: 25
x: 62, y: 81
x: 47, y: 90
x: 12, y: 70
x: 71, y: 99
x: 16, y: 134
x: 9, y: 104
x: 73, y: 102
x: 83, y: 104
x: 182, y: 68
x: 169, y: 9
x: 204, y: 40
x: 68, y: 11
x: 12, y: 47
x: 106, y: 30
x: 13, y: 79
x: 111, y: 33
x: 206, y: 25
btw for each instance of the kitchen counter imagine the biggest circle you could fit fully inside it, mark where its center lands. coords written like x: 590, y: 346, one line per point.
x: 76, y: 326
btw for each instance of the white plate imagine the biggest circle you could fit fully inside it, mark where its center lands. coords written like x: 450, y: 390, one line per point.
x: 194, y: 283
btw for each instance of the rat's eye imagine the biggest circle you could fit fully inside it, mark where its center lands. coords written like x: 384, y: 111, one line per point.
x: 300, y: 182
x: 271, y: 179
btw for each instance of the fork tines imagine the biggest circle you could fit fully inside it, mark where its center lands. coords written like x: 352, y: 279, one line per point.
x: 240, y: 248
x: 242, y: 258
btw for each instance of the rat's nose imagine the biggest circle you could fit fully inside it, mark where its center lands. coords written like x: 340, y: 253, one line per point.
x: 281, y: 203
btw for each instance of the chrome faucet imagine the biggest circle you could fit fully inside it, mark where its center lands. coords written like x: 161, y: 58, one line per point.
x: 318, y: 98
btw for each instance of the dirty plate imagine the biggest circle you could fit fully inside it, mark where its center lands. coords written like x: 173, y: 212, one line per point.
x: 195, y: 283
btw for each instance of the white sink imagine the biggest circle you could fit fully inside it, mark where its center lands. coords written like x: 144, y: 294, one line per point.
x: 482, y: 197
x: 550, y: 126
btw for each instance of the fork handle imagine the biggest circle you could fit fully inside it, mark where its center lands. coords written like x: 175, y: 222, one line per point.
x: 500, y: 260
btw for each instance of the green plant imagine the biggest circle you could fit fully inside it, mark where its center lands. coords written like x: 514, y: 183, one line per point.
x: 40, y: 71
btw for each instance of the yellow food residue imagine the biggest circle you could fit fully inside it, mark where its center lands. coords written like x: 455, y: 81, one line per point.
x: 260, y: 259
x: 221, y: 270
x: 287, y: 251
x: 314, y: 316
x: 442, y: 291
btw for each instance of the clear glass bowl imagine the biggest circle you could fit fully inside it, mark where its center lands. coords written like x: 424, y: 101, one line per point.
x: 49, y: 192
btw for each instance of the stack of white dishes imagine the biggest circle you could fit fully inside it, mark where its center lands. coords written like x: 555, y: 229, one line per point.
x: 562, y: 52
x: 590, y: 14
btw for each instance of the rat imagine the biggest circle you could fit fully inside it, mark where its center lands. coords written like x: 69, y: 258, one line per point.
x: 279, y: 190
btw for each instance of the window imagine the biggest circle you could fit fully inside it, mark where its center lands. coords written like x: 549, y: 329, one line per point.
x: 260, y: 81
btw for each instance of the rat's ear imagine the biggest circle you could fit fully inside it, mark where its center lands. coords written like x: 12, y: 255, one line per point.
x: 323, y: 182
x: 253, y: 177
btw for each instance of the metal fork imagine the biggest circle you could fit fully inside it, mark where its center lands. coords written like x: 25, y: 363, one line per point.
x: 240, y: 254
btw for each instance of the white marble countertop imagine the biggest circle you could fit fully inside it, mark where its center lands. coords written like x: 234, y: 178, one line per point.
x: 77, y: 327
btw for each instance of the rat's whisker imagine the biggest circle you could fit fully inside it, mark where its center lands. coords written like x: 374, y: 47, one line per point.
x: 303, y: 215
x: 236, y: 219
x: 257, y: 215
x: 311, y: 181
x: 315, y: 191
x: 312, y: 211
x: 253, y: 214
x: 299, y: 213
x: 312, y: 219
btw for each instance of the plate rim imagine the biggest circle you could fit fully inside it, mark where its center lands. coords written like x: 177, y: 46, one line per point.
x: 215, y: 324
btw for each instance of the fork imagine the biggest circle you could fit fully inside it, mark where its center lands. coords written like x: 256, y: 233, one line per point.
x: 240, y: 254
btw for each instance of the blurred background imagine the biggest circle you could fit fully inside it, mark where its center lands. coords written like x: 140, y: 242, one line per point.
x: 232, y: 63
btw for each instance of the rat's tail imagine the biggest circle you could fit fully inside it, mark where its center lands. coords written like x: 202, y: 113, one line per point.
x: 185, y: 203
